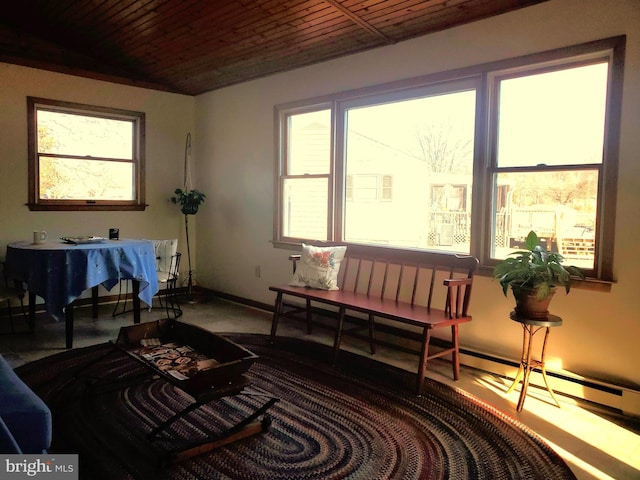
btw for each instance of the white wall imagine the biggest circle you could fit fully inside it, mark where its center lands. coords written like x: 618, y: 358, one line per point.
x: 168, y: 119
x: 235, y: 145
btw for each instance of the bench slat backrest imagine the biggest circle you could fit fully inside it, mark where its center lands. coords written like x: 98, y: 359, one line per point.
x: 410, y: 280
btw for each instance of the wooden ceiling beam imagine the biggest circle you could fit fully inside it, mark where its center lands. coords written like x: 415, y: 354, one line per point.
x: 360, y: 21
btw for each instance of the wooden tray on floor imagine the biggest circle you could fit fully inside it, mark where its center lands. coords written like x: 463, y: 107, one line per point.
x: 190, y: 357
x: 203, y: 364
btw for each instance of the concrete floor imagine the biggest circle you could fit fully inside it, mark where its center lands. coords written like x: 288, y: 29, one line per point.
x: 595, y: 443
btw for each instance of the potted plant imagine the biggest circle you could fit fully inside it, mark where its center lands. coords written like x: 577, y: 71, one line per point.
x: 189, y: 200
x: 533, y: 275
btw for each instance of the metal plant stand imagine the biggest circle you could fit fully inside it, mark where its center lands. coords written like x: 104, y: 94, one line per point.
x: 530, y: 327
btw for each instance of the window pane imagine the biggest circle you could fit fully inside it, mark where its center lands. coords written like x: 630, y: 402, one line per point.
x: 411, y: 165
x: 365, y: 188
x: 559, y: 206
x: 309, y: 149
x: 71, y: 134
x: 305, y: 208
x: 72, y: 179
x: 554, y: 118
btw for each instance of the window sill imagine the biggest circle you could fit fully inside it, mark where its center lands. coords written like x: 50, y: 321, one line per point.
x: 590, y: 284
x: 85, y: 207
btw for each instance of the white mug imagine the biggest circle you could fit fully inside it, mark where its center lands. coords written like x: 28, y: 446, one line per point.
x: 39, y: 236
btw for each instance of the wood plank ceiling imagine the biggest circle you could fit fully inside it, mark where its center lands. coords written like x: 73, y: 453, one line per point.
x: 195, y: 46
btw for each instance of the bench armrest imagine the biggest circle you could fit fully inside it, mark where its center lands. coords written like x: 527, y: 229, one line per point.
x: 457, y: 302
x: 294, y: 258
x: 456, y: 282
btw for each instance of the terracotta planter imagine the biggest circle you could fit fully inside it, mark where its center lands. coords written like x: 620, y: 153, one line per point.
x: 527, y: 305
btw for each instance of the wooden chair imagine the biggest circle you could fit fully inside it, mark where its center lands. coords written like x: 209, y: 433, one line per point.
x: 168, y: 278
x: 167, y: 268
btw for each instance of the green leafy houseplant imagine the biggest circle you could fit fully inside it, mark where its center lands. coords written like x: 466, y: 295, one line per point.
x: 189, y: 200
x: 534, y: 272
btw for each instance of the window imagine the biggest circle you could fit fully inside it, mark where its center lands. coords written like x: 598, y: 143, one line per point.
x: 547, y: 161
x: 419, y: 138
x: 467, y: 162
x: 306, y: 175
x: 83, y: 157
x: 369, y: 188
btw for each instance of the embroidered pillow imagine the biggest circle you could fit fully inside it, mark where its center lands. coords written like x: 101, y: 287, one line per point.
x: 318, y: 267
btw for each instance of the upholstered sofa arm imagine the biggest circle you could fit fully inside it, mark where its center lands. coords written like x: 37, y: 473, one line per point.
x: 7, y: 442
x: 25, y: 420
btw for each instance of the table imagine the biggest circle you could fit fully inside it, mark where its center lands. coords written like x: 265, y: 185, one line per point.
x: 530, y: 327
x: 59, y: 272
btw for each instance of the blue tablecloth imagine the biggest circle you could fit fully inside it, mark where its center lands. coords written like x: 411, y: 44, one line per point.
x: 60, y: 272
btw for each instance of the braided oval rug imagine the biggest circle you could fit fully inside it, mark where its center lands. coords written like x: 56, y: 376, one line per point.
x: 359, y: 420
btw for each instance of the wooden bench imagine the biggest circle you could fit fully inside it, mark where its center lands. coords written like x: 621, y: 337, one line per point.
x: 397, y: 289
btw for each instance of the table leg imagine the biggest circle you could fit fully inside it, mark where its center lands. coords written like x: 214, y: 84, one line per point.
x: 94, y: 301
x: 68, y: 314
x: 135, y: 284
x: 32, y: 310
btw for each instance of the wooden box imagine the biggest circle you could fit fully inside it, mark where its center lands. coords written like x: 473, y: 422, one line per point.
x: 190, y: 357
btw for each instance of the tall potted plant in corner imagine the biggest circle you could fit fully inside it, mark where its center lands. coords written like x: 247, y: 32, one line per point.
x: 533, y: 275
x: 189, y: 202
x: 189, y: 199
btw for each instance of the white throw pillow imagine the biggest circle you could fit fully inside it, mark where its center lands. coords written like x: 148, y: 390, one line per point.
x: 318, y: 267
